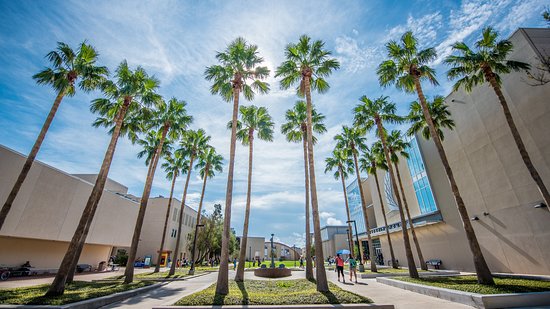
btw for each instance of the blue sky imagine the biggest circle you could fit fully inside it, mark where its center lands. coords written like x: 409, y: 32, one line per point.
x: 176, y: 40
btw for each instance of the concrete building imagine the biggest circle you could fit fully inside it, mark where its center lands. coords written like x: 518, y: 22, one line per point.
x: 498, y: 191
x: 255, y: 247
x: 334, y: 238
x: 47, y: 210
x: 281, y: 251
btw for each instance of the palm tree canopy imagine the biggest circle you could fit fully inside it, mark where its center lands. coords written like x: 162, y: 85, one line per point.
x: 149, y: 144
x: 441, y: 117
x: 174, y: 165
x: 405, y: 63
x: 68, y: 65
x: 240, y: 69
x: 373, y: 159
x: 172, y: 115
x: 306, y: 58
x: 193, y: 143
x: 397, y: 146
x: 254, y: 118
x: 366, y: 113
x: 352, y: 139
x: 489, y: 59
x: 340, y: 161
x: 296, y: 117
x: 210, y: 160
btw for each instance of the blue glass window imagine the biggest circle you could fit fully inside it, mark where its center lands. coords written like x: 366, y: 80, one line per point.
x: 421, y: 184
x: 356, y: 210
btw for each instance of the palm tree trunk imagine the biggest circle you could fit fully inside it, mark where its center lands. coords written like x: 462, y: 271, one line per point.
x: 482, y: 269
x: 222, y: 284
x: 79, y: 237
x: 129, y: 272
x: 309, y: 265
x: 157, y: 267
x: 350, y: 237
x: 180, y: 217
x: 364, y: 207
x: 322, y: 284
x: 198, y: 221
x: 519, y: 141
x: 30, y: 159
x: 413, y: 272
x: 239, y: 277
x: 423, y: 265
x: 392, y: 255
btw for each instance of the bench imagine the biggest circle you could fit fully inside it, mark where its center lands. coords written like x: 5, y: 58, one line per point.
x: 436, y: 263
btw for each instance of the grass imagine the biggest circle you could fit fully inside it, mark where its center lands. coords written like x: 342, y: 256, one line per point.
x: 288, y: 264
x: 76, y: 291
x: 389, y: 270
x: 469, y: 284
x: 272, y: 292
x: 180, y: 273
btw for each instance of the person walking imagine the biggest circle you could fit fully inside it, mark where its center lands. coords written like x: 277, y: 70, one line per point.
x: 340, y: 267
x: 352, y: 268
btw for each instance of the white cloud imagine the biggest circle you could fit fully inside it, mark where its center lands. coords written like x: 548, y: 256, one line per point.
x: 332, y: 221
x: 353, y: 55
x: 425, y: 28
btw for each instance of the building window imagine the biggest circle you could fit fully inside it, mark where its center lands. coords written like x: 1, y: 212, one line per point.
x: 356, y: 209
x: 175, y: 215
x: 421, y: 184
x: 174, y: 233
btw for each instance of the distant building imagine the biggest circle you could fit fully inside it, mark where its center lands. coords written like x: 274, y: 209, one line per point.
x: 254, y: 247
x: 334, y: 238
x: 282, y: 251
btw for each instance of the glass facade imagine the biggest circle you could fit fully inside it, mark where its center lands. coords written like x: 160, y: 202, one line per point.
x: 356, y: 211
x: 421, y: 184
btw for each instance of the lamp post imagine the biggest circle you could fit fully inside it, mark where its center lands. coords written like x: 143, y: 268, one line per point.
x: 294, y: 248
x: 361, y: 266
x: 192, y: 269
x: 272, y: 256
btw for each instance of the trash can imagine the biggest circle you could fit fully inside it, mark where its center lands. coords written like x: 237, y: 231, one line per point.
x: 101, y: 266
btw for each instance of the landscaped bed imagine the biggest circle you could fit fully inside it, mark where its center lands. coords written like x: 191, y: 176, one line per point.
x: 76, y: 291
x: 276, y: 292
x: 469, y: 284
x: 164, y: 274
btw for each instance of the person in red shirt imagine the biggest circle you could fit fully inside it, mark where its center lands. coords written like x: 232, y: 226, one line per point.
x: 340, y: 267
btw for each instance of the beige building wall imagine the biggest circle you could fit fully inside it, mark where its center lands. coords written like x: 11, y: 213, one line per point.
x: 48, y: 208
x: 255, y: 247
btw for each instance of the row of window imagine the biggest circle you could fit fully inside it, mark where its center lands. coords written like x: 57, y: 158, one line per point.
x: 188, y: 220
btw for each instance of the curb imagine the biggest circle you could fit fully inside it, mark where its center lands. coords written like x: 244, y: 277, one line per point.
x: 488, y: 301
x: 93, y: 302
x: 320, y: 306
x: 421, y: 274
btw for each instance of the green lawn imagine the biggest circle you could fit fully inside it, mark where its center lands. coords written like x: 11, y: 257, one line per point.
x: 180, y: 273
x: 275, y: 292
x: 469, y: 284
x: 288, y: 264
x: 76, y: 291
x: 389, y: 270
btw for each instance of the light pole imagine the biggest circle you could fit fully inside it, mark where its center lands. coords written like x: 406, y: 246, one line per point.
x: 361, y: 266
x: 294, y: 248
x: 192, y: 269
x: 272, y: 256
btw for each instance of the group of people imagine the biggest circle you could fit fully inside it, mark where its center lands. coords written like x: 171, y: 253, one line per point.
x: 339, y: 261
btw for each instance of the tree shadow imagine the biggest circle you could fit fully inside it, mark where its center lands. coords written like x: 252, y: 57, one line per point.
x: 219, y: 299
x: 245, y: 300
x: 332, y: 299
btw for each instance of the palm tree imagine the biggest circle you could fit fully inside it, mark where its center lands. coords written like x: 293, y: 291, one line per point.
x: 441, y: 117
x: 295, y: 130
x: 342, y: 162
x: 126, y: 98
x: 397, y: 146
x: 239, y: 64
x: 487, y: 64
x: 371, y: 160
x: 209, y: 163
x: 407, y: 68
x: 173, y: 165
x: 353, y: 139
x: 372, y: 113
x: 193, y: 144
x: 307, y: 65
x: 252, y: 119
x: 172, y: 120
x: 67, y: 67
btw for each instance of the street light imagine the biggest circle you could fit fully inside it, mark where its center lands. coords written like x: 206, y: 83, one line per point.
x: 294, y: 247
x: 361, y: 266
x: 272, y: 256
x: 192, y: 269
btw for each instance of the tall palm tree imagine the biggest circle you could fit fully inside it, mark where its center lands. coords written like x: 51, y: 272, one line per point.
x: 353, y: 139
x: 209, y: 163
x: 397, y: 147
x: 295, y: 130
x: 373, y: 113
x: 307, y: 64
x: 342, y: 162
x: 128, y: 96
x: 441, y: 117
x: 370, y: 162
x: 192, y: 145
x: 68, y: 66
x: 486, y: 64
x: 253, y: 119
x: 239, y: 66
x: 407, y: 68
x: 172, y: 120
x: 174, y: 165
